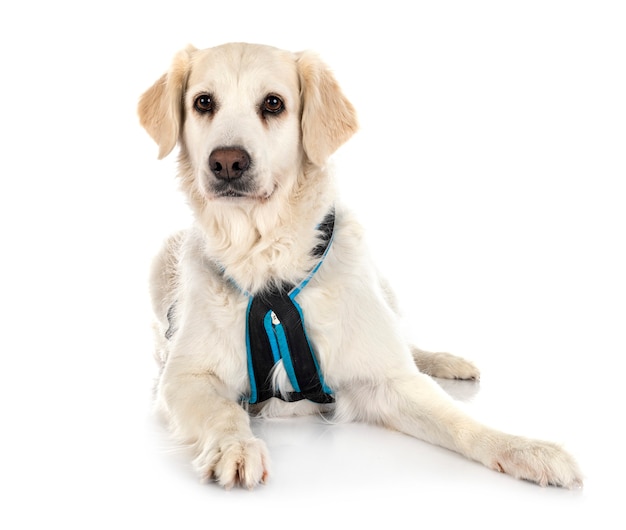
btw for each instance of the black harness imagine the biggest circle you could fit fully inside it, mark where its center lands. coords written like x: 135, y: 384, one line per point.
x: 275, y: 331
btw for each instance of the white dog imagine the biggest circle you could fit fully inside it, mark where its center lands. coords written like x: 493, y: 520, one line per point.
x: 269, y: 302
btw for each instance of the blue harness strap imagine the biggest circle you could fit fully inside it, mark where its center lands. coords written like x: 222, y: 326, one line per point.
x: 275, y: 331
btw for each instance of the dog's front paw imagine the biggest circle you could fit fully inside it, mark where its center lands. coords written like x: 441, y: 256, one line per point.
x: 235, y: 463
x: 542, y: 462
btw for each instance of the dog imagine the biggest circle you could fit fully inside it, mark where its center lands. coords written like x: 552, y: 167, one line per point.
x: 255, y: 127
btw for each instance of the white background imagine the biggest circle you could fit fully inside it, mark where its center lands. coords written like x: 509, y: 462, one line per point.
x: 489, y: 171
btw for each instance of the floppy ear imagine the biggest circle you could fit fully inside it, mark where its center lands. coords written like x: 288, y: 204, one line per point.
x: 160, y: 107
x: 328, y: 118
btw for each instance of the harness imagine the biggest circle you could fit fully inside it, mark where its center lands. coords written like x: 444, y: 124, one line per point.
x: 275, y: 332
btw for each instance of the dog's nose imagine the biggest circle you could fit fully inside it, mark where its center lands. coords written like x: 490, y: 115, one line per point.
x: 229, y: 163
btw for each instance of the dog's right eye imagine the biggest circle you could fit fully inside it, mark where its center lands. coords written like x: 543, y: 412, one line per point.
x: 203, y: 103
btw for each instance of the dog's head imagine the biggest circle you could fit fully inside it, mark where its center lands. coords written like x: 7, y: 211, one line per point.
x: 246, y: 117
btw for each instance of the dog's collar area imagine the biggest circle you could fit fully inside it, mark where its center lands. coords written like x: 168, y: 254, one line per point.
x: 326, y: 227
x: 275, y: 332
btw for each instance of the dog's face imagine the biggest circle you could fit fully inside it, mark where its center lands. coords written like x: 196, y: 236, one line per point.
x: 246, y: 117
x: 242, y: 121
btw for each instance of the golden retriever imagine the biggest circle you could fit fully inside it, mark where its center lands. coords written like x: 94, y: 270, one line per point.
x: 255, y: 127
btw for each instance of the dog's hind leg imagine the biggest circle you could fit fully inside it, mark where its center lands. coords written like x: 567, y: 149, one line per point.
x: 416, y: 405
x: 163, y: 292
x: 444, y: 365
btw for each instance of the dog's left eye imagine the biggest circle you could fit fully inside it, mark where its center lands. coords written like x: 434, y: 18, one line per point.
x: 272, y: 104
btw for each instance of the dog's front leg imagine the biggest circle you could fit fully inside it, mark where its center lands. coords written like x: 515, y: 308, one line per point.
x: 416, y: 405
x: 202, y: 413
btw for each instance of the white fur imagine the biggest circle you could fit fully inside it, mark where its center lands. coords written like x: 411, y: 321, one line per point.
x: 249, y: 243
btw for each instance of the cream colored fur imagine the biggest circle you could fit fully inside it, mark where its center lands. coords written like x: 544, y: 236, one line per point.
x: 265, y: 237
